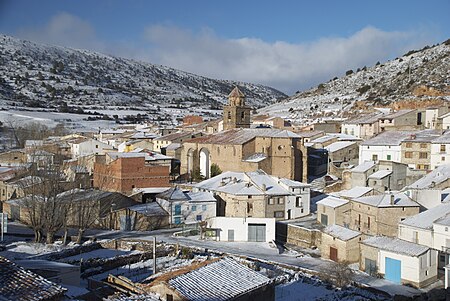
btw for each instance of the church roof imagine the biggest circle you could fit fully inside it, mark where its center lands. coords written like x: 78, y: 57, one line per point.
x: 236, y: 93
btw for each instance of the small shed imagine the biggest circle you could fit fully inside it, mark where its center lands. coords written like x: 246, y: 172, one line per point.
x: 340, y: 244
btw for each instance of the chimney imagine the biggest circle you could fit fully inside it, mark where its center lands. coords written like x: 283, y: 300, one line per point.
x: 392, y: 199
x: 413, y: 136
x: 264, y: 187
x: 222, y: 182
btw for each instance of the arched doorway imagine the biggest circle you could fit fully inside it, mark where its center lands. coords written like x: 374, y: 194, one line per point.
x: 205, y: 162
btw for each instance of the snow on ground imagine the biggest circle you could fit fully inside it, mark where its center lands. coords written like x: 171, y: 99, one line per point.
x: 100, y: 253
x: 22, y: 249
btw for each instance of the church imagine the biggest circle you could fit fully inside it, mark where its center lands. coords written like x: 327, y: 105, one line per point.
x: 241, y: 148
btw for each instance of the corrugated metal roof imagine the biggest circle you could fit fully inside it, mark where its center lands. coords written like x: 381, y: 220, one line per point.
x: 221, y: 280
x: 396, y: 245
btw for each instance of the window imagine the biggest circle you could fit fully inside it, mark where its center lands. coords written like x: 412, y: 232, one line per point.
x: 442, y: 158
x: 96, y: 146
x: 278, y: 214
x: 249, y: 207
x: 177, y: 220
x: 249, y: 197
x: 446, y: 229
x: 298, y: 201
x: 442, y: 147
x: 374, y: 157
x: 229, y: 115
x: 368, y: 222
x: 199, y: 217
x: 423, y: 155
x: 203, y: 207
x: 270, y: 201
x: 280, y: 200
x: 408, y: 144
x: 194, y: 207
x: 242, y: 115
x: 388, y: 157
x: 408, y: 155
x: 177, y: 209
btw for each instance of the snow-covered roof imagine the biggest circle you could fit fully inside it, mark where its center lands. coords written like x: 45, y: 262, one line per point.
x: 334, y: 147
x: 355, y: 192
x: 437, y: 176
x: 381, y: 174
x: 332, y: 201
x: 365, y: 166
x: 149, y: 209
x: 340, y: 232
x: 176, y: 194
x: 149, y: 156
x: 219, y: 281
x: 399, y: 113
x: 444, y: 221
x: 425, y: 219
x: 257, y: 157
x: 424, y: 136
x: 20, y: 284
x: 388, y: 200
x: 126, y: 297
x: 241, y: 136
x: 249, y: 183
x: 396, y: 245
x: 365, y: 119
x: 173, y: 146
x: 150, y: 190
x: 392, y: 138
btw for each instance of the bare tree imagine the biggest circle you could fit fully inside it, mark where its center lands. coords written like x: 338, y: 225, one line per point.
x: 338, y: 273
x: 84, y: 214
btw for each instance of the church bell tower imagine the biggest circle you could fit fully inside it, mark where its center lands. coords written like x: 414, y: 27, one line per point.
x: 236, y: 114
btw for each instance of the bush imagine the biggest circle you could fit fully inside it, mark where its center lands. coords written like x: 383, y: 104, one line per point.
x: 348, y: 72
x: 338, y: 273
x: 215, y: 170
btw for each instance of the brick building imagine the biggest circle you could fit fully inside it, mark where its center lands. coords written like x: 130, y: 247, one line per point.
x: 122, y: 174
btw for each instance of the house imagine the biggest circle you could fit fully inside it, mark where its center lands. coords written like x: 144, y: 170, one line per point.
x: 341, y: 152
x: 241, y: 229
x: 398, y: 260
x: 277, y: 152
x: 257, y: 194
x: 385, y: 146
x: 402, y: 120
x: 273, y: 122
x: 328, y: 126
x: 442, y: 122
x: 17, y: 188
x: 416, y: 149
x: 429, y: 228
x: 360, y: 174
x: 332, y: 210
x: 218, y: 279
x: 179, y: 137
x: 13, y: 157
x: 187, y: 207
x: 340, y: 244
x: 433, y: 117
x: 132, y: 145
x: 427, y: 190
x: 141, y: 217
x: 363, y: 127
x: 126, y: 171
x: 440, y: 150
x: 380, y: 214
x: 84, y: 146
x: 18, y: 283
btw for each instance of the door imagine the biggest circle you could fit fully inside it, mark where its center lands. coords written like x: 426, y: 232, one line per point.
x: 289, y: 214
x: 177, y: 210
x: 257, y: 232
x: 324, y: 219
x: 333, y: 254
x: 393, y: 269
x: 370, y: 266
x: 230, y: 235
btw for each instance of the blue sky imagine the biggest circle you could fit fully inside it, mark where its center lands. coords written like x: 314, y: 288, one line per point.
x: 290, y: 45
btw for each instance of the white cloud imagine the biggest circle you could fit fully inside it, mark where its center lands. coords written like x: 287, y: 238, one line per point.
x: 282, y: 65
x: 65, y: 30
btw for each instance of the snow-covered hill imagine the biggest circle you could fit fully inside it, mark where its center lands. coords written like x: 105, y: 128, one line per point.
x: 417, y: 76
x: 69, y: 80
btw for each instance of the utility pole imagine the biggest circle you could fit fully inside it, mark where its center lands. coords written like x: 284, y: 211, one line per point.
x: 154, y: 255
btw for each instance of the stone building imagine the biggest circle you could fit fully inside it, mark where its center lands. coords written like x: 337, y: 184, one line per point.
x: 236, y: 114
x: 416, y: 149
x: 340, y: 244
x: 380, y: 214
x: 278, y: 152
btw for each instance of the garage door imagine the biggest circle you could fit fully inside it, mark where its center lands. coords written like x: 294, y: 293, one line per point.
x: 256, y: 232
x: 393, y: 270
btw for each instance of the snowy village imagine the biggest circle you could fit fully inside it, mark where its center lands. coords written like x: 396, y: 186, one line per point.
x: 124, y: 180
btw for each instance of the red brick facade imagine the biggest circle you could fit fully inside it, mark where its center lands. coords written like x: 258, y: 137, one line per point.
x: 192, y: 119
x: 124, y: 174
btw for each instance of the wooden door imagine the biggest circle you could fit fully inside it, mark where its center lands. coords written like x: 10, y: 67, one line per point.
x: 333, y: 254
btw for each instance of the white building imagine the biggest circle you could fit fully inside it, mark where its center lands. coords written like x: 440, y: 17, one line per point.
x: 243, y: 229
x: 429, y: 228
x: 363, y: 127
x: 187, y: 207
x: 83, y: 147
x: 385, y: 146
x: 399, y: 261
x: 440, y: 150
